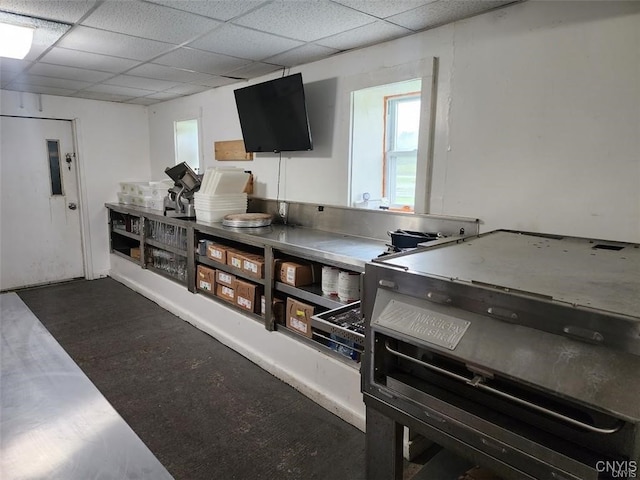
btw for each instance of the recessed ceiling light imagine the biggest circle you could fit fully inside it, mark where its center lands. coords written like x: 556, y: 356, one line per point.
x: 15, y: 40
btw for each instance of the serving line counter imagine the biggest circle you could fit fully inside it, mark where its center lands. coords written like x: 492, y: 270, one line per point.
x: 338, y: 237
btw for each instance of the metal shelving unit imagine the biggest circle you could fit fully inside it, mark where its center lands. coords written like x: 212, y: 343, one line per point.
x: 152, y: 223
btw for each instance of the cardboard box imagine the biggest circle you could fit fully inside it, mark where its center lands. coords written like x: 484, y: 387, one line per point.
x: 135, y: 253
x: 253, y: 265
x: 234, y: 258
x: 277, y: 309
x: 226, y: 293
x: 299, y: 317
x: 224, y: 278
x: 246, y: 295
x: 297, y: 274
x: 217, y: 252
x: 206, y: 279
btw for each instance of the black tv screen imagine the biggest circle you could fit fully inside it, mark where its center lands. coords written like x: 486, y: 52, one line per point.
x: 273, y: 116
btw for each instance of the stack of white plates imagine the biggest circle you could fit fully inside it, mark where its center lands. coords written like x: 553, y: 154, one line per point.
x: 221, y: 193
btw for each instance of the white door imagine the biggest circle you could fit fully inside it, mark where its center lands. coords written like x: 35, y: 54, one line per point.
x: 40, y: 240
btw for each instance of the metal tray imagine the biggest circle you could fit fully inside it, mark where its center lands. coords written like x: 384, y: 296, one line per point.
x: 346, y: 322
x: 247, y: 220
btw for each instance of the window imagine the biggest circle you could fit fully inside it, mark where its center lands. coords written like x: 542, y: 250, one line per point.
x: 385, y: 124
x: 402, y: 127
x: 53, y: 153
x: 187, y: 143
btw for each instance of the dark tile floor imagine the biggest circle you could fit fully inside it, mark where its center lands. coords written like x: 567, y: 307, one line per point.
x: 205, y: 411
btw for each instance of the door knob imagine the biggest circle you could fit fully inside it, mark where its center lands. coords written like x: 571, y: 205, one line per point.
x: 72, y: 206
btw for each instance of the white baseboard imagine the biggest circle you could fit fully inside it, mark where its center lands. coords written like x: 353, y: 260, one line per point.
x: 327, y: 381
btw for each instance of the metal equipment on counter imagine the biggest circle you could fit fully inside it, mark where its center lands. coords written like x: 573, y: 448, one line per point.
x: 518, y: 351
x: 179, y: 201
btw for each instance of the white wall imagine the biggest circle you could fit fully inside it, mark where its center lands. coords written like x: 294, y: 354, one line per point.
x: 113, y: 145
x: 537, y: 124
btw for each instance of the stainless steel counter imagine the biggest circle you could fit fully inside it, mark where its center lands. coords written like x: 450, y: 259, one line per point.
x: 349, y: 250
x: 346, y: 249
x: 54, y: 423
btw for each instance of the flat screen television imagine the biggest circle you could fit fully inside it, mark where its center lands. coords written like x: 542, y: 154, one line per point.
x: 273, y: 116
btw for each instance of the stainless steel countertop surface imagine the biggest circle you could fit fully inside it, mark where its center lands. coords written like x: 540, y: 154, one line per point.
x: 54, y: 423
x: 597, y: 274
x: 317, y: 243
x: 350, y: 250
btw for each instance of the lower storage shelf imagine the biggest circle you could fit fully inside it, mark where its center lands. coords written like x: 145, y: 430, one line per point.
x: 325, y: 345
x: 224, y: 301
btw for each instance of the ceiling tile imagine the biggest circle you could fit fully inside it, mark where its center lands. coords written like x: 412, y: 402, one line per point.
x: 255, y: 69
x: 186, y: 89
x: 305, y: 54
x: 367, y: 35
x: 383, y: 8
x: 439, y: 13
x: 170, y: 74
x: 23, y: 87
x: 151, y: 21
x: 67, y: 84
x: 91, y: 61
x: 244, y: 43
x: 220, y: 9
x: 306, y: 21
x: 143, y: 101
x: 117, y: 90
x: 140, y: 82
x: 110, y: 43
x: 200, y: 61
x: 13, y: 65
x: 72, y: 73
x: 56, y: 10
x: 216, y: 81
x: 163, y: 96
x: 105, y: 97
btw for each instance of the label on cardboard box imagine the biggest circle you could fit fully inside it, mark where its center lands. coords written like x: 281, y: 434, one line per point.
x: 216, y: 252
x: 236, y: 262
x: 226, y: 291
x: 206, y: 278
x: 250, y: 266
x: 291, y: 274
x: 224, y: 277
x: 298, y: 324
x: 298, y: 315
x: 244, y: 302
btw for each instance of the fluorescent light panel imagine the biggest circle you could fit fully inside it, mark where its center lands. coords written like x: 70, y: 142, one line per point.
x: 15, y: 40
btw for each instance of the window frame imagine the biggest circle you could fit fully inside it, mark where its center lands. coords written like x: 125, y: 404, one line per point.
x: 390, y: 122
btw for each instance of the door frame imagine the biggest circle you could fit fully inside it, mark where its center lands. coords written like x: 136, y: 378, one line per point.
x: 85, y: 230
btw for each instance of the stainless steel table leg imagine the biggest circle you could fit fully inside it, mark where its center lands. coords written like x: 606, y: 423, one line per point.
x: 383, y: 446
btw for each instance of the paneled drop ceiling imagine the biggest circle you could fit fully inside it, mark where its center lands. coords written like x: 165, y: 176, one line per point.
x: 149, y: 51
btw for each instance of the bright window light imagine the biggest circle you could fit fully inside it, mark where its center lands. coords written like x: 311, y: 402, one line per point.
x: 15, y: 41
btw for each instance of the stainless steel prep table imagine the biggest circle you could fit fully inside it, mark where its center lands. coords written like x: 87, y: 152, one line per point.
x: 54, y: 423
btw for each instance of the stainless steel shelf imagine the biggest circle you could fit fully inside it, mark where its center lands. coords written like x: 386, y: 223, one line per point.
x: 166, y: 275
x: 124, y: 233
x: 168, y: 248
x: 125, y: 256
x: 311, y: 293
x: 254, y: 316
x: 321, y: 347
x: 229, y: 269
